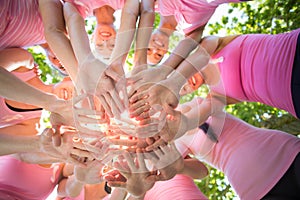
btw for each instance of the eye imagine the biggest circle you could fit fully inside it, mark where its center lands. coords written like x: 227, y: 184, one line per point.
x: 99, y: 46
x: 158, y: 56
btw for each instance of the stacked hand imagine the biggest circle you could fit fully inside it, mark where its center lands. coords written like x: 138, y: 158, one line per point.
x: 138, y: 178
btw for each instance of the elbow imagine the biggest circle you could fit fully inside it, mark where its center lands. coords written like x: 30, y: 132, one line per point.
x: 52, y: 30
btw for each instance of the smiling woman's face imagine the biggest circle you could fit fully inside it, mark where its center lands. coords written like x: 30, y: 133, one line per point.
x: 158, y: 47
x: 104, y: 39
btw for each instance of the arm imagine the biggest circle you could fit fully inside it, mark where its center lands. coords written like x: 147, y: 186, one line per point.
x: 56, y: 36
x: 17, y: 90
x: 194, y: 168
x: 183, y: 49
x: 145, y: 26
x: 130, y: 13
x: 21, y: 57
x: 11, y: 144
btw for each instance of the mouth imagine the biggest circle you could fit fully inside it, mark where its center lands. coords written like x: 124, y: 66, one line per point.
x: 193, y: 81
x: 105, y: 34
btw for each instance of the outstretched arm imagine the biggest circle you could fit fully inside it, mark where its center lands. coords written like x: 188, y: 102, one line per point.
x: 17, y: 90
x: 56, y: 34
x: 143, y: 34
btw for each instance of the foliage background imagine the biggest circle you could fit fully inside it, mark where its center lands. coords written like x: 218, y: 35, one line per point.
x: 268, y: 16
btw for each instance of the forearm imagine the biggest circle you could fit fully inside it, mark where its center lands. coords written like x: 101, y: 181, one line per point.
x: 125, y: 35
x: 202, y: 111
x: 184, y: 48
x: 14, y: 58
x: 191, y: 65
x: 194, y: 168
x: 78, y: 36
x: 37, y: 158
x: 17, y: 90
x: 56, y: 36
x: 11, y: 144
x: 118, y: 194
x: 144, y: 31
x: 73, y: 187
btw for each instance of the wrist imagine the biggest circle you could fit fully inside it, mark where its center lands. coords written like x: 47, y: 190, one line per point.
x: 51, y: 100
x: 175, y: 82
x: 165, y: 70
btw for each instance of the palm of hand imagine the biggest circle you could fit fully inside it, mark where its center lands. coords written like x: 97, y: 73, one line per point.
x: 144, y: 80
x: 88, y: 76
x: 162, y: 95
x: 90, y: 174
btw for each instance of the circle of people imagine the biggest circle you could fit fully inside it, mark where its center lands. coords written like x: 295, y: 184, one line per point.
x: 125, y: 136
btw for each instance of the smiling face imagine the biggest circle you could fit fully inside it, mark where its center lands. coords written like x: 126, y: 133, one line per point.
x: 193, y: 84
x: 104, y: 40
x: 158, y: 47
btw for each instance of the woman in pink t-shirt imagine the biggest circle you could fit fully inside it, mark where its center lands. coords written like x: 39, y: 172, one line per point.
x: 191, y: 16
x: 259, y: 163
x: 19, y: 135
x: 245, y: 76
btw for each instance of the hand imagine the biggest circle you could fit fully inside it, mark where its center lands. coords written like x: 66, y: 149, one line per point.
x: 91, y: 174
x: 68, y: 150
x: 111, y: 87
x: 167, y: 160
x: 176, y: 125
x: 95, y: 79
x: 159, y: 94
x: 141, y: 81
x: 139, y: 179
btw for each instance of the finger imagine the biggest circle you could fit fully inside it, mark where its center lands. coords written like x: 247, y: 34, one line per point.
x: 122, y: 92
x: 133, y: 79
x: 78, y: 98
x: 147, y: 130
x: 117, y: 184
x: 141, y: 161
x: 155, y: 145
x: 56, y: 138
x: 138, y: 96
x: 81, y: 153
x: 83, y: 131
x: 152, y: 157
x: 114, y: 75
x: 46, y: 135
x: 137, y: 104
x: 130, y: 161
x: 105, y: 106
x: 127, y: 143
x: 149, y: 121
x: 113, y: 101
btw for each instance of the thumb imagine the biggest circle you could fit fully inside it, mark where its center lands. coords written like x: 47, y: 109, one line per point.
x: 114, y: 75
x: 133, y: 79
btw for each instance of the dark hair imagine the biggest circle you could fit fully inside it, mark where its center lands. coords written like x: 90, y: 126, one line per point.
x: 107, y: 188
x: 209, y: 132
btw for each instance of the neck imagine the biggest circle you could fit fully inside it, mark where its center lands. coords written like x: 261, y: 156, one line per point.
x: 104, y: 15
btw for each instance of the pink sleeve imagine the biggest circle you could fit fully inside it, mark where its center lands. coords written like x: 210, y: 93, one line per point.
x: 83, y: 7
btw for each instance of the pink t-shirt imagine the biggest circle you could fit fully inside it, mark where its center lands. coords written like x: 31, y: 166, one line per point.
x: 253, y: 159
x: 21, y: 24
x: 9, y: 117
x: 22, y: 181
x: 86, y: 7
x: 180, y: 187
x: 190, y: 14
x: 258, y: 68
